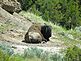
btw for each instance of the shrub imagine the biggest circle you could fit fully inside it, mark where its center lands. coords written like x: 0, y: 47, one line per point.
x: 32, y: 52
x: 73, y: 54
x: 63, y: 12
x: 35, y: 53
x: 3, y: 57
x: 6, y: 48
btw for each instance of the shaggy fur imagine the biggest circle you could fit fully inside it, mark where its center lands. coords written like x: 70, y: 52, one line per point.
x: 46, y: 31
x: 34, y: 34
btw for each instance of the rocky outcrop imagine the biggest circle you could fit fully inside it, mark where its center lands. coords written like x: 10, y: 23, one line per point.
x: 10, y: 5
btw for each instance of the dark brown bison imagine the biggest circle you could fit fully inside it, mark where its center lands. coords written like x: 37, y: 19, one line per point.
x: 38, y: 33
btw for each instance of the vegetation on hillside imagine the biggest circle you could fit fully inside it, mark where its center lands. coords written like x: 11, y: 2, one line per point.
x: 66, y: 13
x: 73, y: 54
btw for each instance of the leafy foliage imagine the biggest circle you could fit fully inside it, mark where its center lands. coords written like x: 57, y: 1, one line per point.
x: 32, y: 52
x: 73, y: 54
x: 63, y: 12
x: 6, y: 48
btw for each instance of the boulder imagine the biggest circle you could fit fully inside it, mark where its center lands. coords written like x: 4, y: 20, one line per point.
x: 11, y: 5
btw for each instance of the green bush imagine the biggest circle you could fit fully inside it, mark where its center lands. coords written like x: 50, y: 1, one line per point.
x: 73, y: 54
x: 35, y: 53
x: 4, y: 56
x: 63, y: 12
x: 6, y: 48
x: 32, y: 52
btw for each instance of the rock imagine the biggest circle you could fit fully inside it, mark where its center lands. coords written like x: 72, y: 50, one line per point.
x: 11, y: 6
